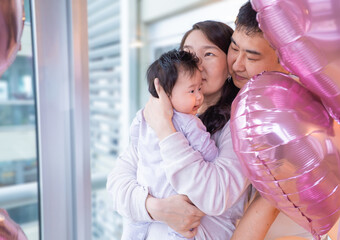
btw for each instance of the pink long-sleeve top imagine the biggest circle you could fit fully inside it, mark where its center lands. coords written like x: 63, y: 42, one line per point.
x: 217, y: 188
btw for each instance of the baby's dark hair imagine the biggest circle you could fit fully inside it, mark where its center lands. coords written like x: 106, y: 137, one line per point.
x: 167, y: 67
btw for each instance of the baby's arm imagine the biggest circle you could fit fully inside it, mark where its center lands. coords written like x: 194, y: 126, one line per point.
x: 256, y: 221
x: 212, y: 187
x: 200, y: 140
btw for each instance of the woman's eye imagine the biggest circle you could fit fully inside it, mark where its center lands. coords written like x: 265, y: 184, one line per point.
x: 209, y: 54
x: 234, y: 49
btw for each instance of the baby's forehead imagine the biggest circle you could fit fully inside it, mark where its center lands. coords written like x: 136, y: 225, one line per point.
x: 189, y: 77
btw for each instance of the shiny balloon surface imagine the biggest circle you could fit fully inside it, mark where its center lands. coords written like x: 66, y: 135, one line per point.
x: 306, y: 35
x: 285, y: 140
x: 11, y: 27
x: 9, y: 230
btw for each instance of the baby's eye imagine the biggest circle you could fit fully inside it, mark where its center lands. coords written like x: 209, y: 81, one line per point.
x: 200, y: 89
x: 191, y: 91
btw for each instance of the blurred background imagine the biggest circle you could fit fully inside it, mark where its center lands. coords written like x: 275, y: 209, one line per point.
x: 67, y: 101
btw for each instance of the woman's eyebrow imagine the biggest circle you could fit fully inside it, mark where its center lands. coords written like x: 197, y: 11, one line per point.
x: 210, y: 46
x: 204, y: 47
x: 187, y: 46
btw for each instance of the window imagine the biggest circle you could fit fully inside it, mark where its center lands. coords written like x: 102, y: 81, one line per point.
x: 18, y: 149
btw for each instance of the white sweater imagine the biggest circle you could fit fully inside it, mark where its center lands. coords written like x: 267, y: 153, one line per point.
x: 217, y: 188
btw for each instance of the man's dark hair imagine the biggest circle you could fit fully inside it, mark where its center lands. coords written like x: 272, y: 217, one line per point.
x: 167, y: 67
x: 246, y: 20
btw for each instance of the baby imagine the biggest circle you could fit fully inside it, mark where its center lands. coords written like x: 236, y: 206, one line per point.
x: 181, y: 79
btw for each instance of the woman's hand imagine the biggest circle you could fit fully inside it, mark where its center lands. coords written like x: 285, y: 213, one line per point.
x: 158, y: 113
x: 177, y: 212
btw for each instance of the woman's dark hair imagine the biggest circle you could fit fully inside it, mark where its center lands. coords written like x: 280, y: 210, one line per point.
x: 166, y: 69
x: 216, y: 116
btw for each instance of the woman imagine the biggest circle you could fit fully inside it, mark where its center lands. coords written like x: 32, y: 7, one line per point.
x: 218, y: 189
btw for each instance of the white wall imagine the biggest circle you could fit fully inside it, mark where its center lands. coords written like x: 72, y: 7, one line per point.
x: 153, y: 10
x: 169, y: 30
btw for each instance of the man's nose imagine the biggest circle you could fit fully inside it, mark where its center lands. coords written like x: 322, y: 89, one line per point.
x: 239, y: 63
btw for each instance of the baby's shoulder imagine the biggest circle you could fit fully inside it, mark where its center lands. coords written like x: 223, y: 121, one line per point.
x: 184, y: 118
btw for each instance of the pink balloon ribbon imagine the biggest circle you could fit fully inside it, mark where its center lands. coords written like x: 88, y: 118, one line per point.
x: 306, y: 35
x: 285, y: 140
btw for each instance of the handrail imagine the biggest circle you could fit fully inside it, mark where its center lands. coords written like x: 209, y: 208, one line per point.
x: 27, y: 193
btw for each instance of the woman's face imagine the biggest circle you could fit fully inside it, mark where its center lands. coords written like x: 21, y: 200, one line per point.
x: 213, y: 62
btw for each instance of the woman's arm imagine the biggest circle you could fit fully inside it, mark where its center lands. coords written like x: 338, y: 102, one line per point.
x: 127, y: 194
x: 256, y: 221
x: 177, y: 212
x: 212, y: 186
x: 132, y: 200
x: 158, y: 113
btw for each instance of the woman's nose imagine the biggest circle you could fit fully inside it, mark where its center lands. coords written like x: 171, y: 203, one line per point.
x: 200, y: 64
x: 199, y: 95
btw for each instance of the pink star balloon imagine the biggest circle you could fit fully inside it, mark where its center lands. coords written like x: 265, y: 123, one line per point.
x: 285, y: 140
x: 11, y: 27
x: 306, y: 35
x: 9, y: 230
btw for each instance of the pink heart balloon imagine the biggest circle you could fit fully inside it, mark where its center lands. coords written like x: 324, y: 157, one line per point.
x: 11, y: 27
x: 284, y: 138
x: 306, y: 35
x: 9, y: 230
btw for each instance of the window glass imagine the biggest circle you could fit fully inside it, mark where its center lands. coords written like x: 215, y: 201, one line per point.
x: 18, y: 149
x: 104, y: 42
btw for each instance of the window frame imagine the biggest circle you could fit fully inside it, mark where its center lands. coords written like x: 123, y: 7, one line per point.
x: 61, y: 85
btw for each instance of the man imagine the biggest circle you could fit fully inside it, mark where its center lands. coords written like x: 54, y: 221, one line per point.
x: 250, y: 54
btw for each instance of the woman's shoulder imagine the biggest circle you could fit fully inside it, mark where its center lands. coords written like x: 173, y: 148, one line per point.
x: 223, y: 133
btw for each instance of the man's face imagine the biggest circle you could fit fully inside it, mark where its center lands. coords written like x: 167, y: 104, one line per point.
x: 249, y: 55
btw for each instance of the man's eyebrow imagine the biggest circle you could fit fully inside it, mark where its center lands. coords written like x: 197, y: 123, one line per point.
x: 253, y: 52
x: 233, y: 41
x: 247, y: 50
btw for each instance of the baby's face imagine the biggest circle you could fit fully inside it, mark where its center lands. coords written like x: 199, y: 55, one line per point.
x: 186, y: 96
